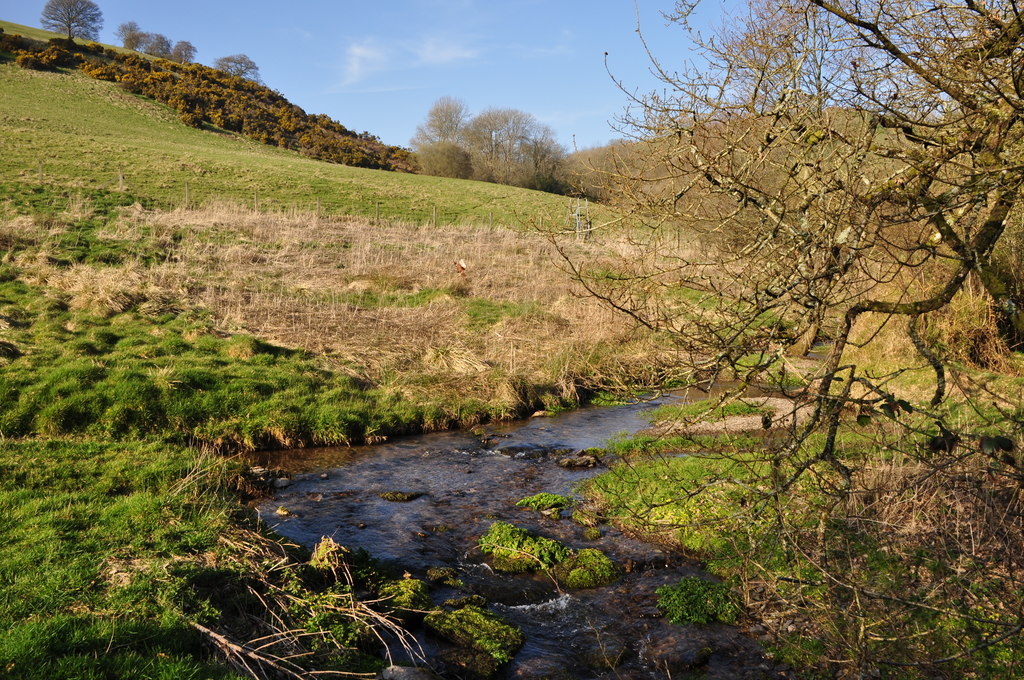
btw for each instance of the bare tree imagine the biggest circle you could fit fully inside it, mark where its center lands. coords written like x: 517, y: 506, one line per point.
x: 445, y: 123
x: 183, y: 52
x: 74, y: 18
x: 239, y: 65
x: 510, y: 146
x: 131, y: 35
x: 847, y: 170
x: 507, y: 146
x: 157, y: 45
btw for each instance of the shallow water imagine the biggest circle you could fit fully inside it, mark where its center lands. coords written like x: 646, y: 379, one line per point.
x: 467, y: 483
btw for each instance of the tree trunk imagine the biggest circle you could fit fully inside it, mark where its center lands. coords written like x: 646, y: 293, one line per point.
x: 806, y: 340
x: 1008, y: 303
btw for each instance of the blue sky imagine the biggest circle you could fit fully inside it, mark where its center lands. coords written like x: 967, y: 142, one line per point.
x: 378, y: 66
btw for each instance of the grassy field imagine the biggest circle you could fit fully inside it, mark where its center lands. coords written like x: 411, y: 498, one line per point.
x: 138, y: 335
x: 228, y: 326
x: 143, y: 338
x: 85, y: 134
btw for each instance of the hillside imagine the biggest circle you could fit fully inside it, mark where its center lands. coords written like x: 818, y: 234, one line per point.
x: 80, y: 133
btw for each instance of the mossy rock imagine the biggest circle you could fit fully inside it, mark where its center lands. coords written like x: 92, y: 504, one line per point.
x: 479, y: 630
x: 468, y: 600
x: 516, y: 550
x: 544, y: 501
x: 445, y: 575
x: 409, y: 594
x: 328, y: 555
x: 585, y: 517
x: 469, y: 664
x: 400, y: 496
x: 587, y: 568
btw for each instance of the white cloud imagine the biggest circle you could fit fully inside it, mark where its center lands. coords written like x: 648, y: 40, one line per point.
x: 364, y: 59
x: 433, y: 51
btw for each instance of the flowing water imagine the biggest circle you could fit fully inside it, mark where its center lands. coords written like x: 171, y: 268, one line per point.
x: 467, y: 482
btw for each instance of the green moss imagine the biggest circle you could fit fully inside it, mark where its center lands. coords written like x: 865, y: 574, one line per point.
x: 477, y: 629
x: 695, y: 600
x: 407, y: 593
x: 400, y: 496
x: 328, y: 555
x: 544, y: 501
x: 587, y: 568
x: 513, y: 549
x: 460, y: 602
x: 445, y: 575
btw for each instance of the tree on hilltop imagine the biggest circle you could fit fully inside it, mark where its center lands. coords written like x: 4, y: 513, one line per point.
x: 132, y: 36
x: 157, y: 45
x: 238, y: 65
x: 183, y: 52
x: 74, y: 18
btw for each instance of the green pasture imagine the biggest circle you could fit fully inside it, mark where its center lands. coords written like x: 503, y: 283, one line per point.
x: 61, y: 132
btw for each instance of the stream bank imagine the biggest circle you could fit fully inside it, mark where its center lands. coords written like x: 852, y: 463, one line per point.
x: 456, y: 485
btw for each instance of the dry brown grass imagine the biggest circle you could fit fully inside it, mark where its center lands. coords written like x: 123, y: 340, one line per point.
x: 381, y: 301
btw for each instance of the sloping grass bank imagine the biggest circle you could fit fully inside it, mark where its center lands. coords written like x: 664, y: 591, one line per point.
x: 84, y: 134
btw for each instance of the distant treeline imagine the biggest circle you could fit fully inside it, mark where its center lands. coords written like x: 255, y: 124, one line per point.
x: 205, y: 96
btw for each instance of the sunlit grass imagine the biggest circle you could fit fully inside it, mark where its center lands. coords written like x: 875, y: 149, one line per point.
x: 86, y: 134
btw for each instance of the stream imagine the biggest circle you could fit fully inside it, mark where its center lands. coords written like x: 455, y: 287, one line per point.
x: 467, y: 482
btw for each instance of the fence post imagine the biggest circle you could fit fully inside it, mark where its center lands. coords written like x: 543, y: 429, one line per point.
x: 120, y: 179
x: 318, y: 206
x: 40, y: 170
x: 187, y: 197
x: 435, y: 215
x: 376, y: 214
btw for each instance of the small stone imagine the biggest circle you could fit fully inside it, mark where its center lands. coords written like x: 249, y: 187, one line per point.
x: 578, y: 462
x: 282, y: 482
x: 324, y: 475
x: 361, y: 525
